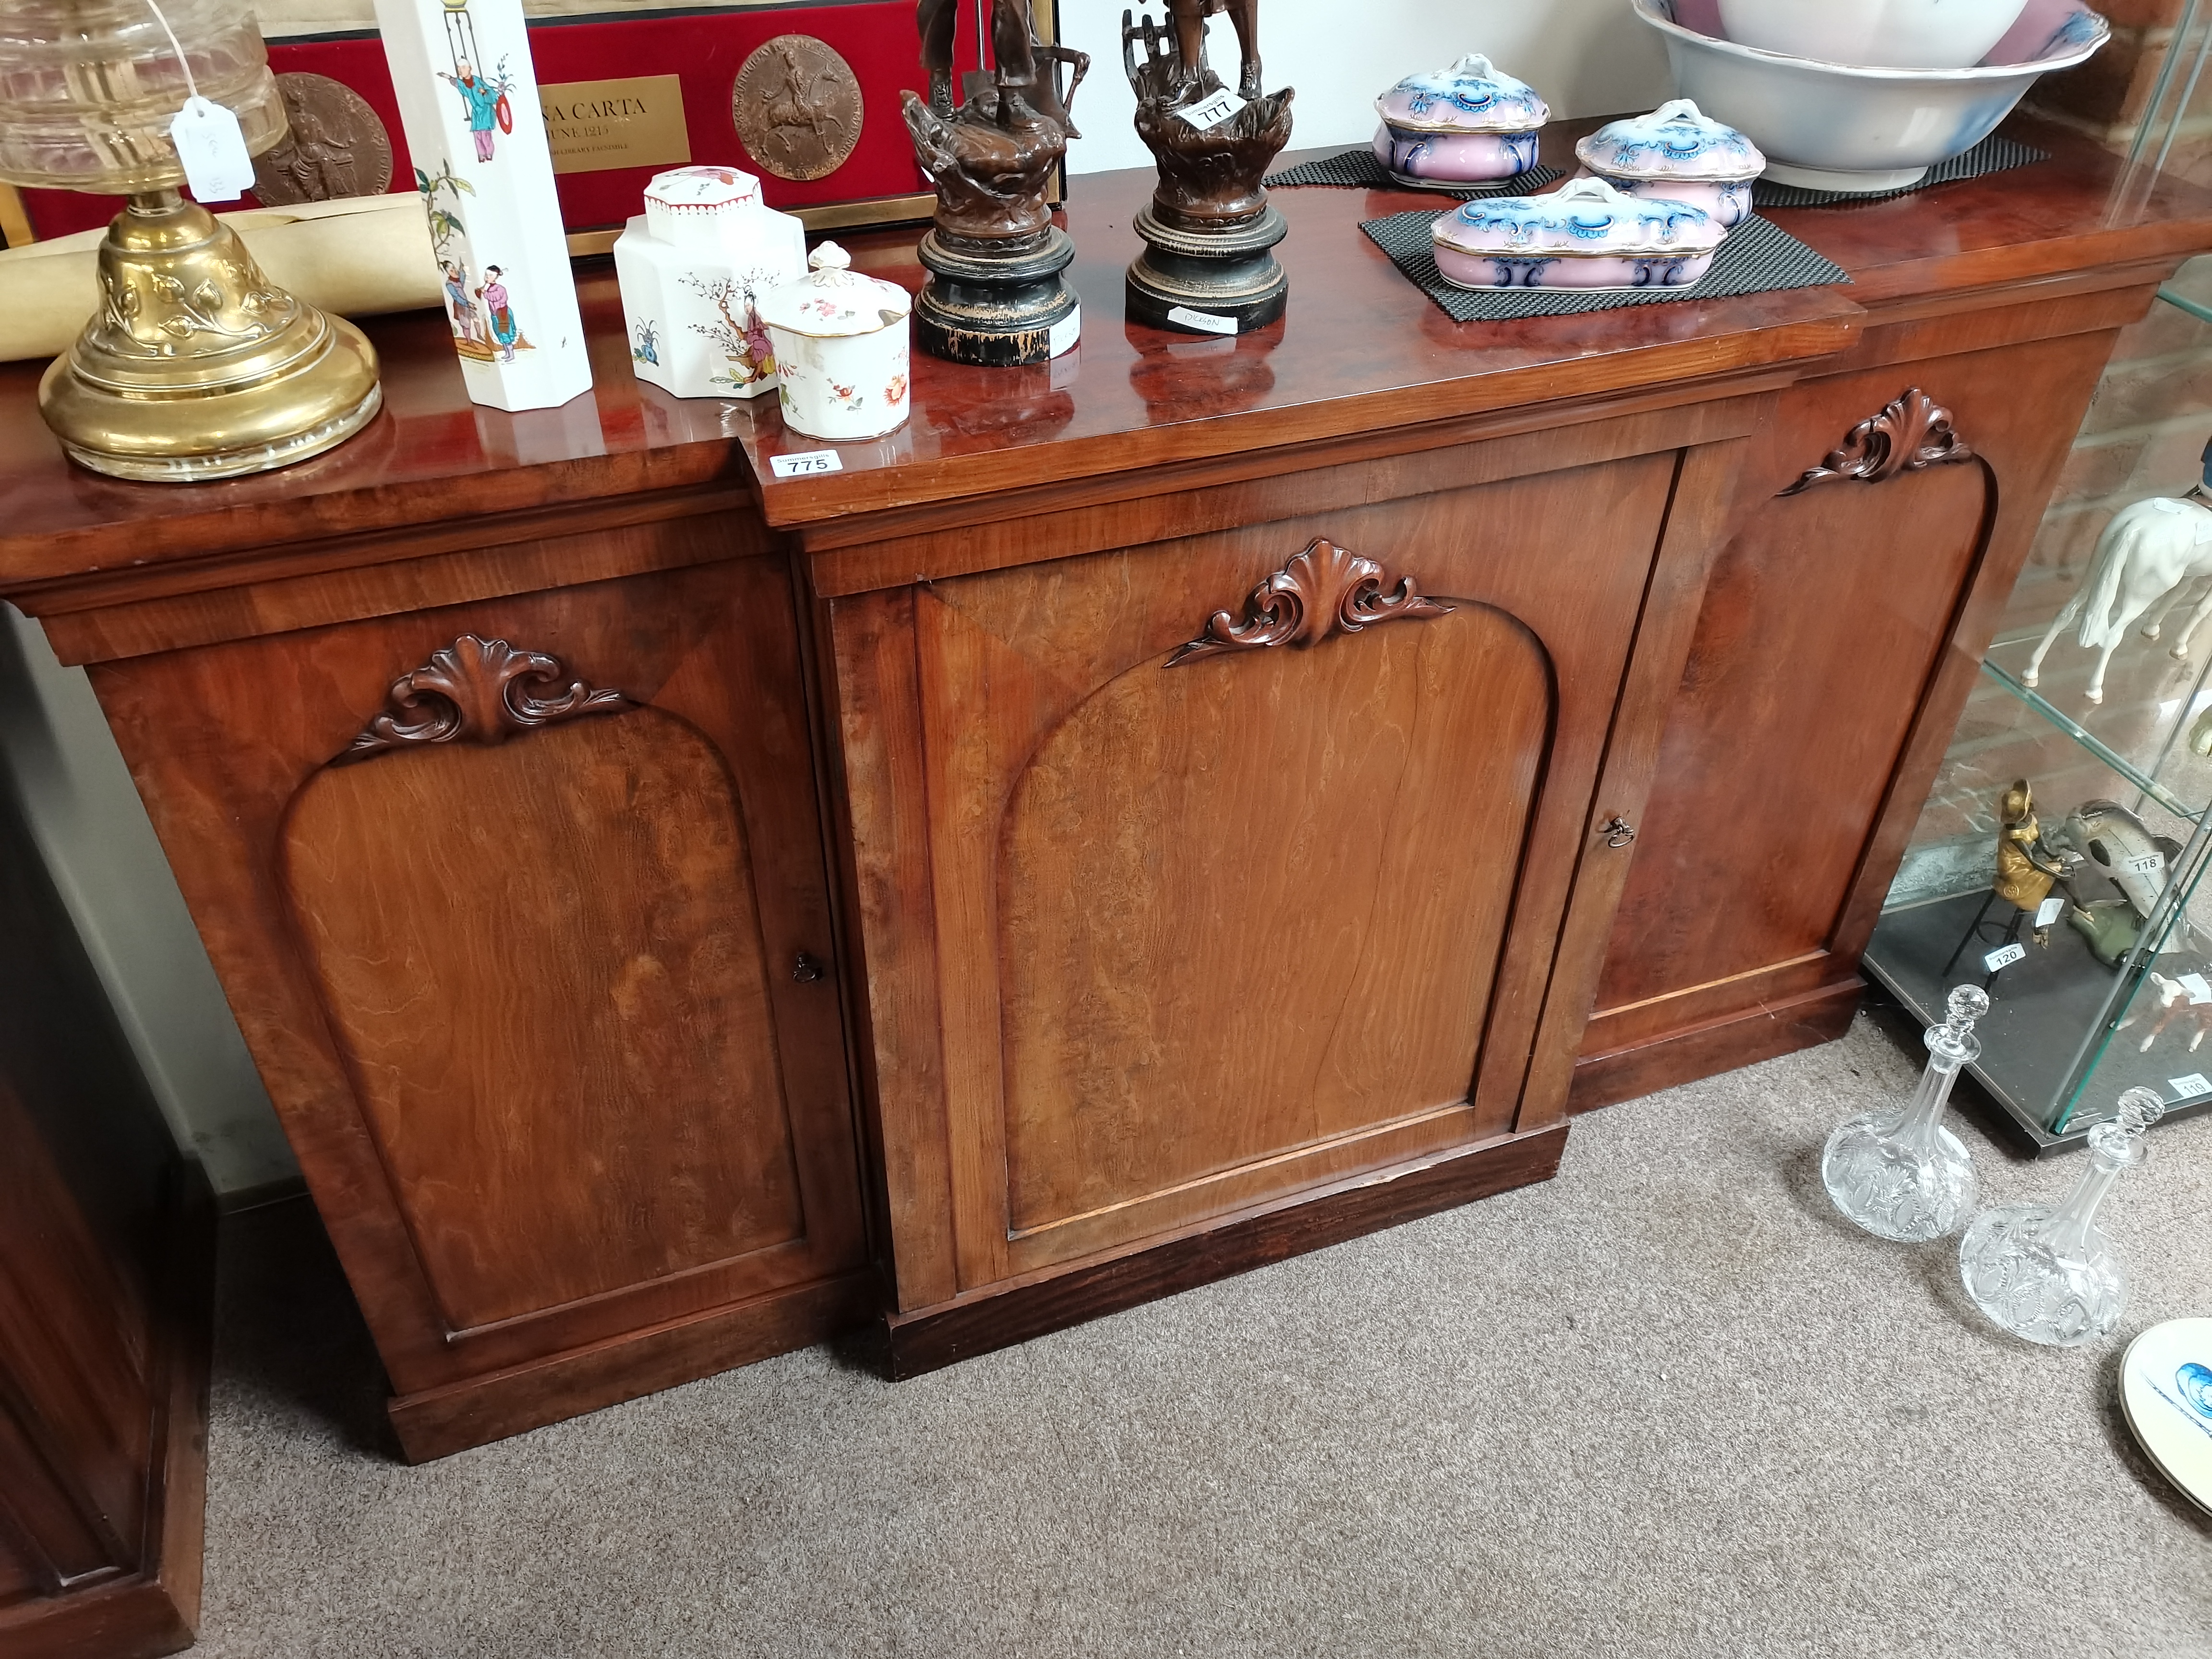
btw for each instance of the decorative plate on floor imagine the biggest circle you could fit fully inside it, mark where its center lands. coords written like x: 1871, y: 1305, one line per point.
x: 2165, y: 1390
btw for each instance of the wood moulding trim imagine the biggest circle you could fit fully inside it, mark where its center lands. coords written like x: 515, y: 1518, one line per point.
x: 1740, y: 359
x: 479, y: 692
x: 1321, y: 591
x: 1909, y: 433
x: 1350, y: 475
x: 244, y: 562
x: 1717, y: 404
x: 1055, y: 1298
x: 435, y: 1422
x: 1699, y: 1050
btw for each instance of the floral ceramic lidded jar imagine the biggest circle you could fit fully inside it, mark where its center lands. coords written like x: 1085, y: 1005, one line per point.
x: 1586, y: 234
x: 840, y: 348
x: 1677, y: 153
x: 1468, y: 124
x: 693, y: 269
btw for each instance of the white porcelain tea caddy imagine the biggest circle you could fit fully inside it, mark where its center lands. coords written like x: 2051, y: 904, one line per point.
x: 840, y: 348
x: 692, y: 269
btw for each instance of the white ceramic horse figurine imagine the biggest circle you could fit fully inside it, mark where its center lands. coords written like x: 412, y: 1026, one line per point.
x: 2147, y: 552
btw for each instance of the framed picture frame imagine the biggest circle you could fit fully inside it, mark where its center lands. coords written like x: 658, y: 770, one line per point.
x: 806, y: 96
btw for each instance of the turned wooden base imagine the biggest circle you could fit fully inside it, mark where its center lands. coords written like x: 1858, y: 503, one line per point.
x: 932, y: 1338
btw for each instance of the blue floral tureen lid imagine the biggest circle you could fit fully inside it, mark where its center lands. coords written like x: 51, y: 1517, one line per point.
x: 1586, y: 217
x: 1470, y: 96
x: 1675, y: 141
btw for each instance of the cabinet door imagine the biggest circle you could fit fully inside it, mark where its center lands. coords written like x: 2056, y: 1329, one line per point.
x: 1247, y: 854
x: 523, y: 909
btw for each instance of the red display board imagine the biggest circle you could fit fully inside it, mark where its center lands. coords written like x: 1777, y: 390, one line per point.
x: 878, y: 38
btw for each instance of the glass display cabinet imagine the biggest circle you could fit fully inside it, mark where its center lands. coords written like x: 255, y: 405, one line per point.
x: 2079, y: 900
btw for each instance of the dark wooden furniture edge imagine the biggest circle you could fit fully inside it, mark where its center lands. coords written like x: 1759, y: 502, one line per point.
x: 156, y: 1610
x: 1804, y: 1021
x: 437, y: 1421
x: 932, y: 1337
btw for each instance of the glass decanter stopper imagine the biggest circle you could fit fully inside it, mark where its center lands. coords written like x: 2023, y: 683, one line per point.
x: 2050, y: 1274
x: 1902, y: 1174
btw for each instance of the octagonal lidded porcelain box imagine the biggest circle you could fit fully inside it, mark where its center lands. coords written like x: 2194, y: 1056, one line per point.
x: 693, y: 269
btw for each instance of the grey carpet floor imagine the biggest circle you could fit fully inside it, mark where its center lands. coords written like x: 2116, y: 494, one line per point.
x: 1667, y: 1404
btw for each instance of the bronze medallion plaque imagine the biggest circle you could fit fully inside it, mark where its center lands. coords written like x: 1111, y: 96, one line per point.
x: 797, y: 106
x: 336, y: 146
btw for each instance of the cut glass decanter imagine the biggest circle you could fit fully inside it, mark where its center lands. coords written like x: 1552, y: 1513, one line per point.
x: 2051, y: 1275
x: 1902, y: 1174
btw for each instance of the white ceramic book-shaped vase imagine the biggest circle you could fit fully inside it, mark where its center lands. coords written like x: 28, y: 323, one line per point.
x: 468, y: 99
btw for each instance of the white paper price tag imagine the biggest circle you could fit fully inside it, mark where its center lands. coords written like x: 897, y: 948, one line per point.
x: 1222, y: 106
x: 213, y: 151
x: 2146, y: 864
x: 813, y: 463
x: 1203, y: 321
x: 1065, y: 333
x: 2183, y: 1087
x: 2049, y: 911
x: 2200, y: 992
x: 2004, y: 957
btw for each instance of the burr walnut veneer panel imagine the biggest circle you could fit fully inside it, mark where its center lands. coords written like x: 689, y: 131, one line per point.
x: 519, y: 999
x: 1217, y: 900
x: 533, y: 993
x: 1840, y: 627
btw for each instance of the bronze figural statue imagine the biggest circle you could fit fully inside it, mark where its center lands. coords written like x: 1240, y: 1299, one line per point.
x: 994, y: 294
x: 1191, y: 17
x: 1208, y: 230
x: 990, y: 163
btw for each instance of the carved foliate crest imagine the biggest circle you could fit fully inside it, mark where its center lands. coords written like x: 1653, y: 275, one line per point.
x: 1323, y: 591
x: 478, y: 691
x: 1910, y: 432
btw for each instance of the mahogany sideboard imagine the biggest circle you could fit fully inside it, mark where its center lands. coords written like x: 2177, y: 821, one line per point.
x: 1153, y: 813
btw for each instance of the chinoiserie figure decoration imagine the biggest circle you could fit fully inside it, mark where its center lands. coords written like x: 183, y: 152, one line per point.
x: 994, y: 294
x: 1208, y: 266
x: 2027, y: 868
x: 1901, y: 1174
x: 468, y: 101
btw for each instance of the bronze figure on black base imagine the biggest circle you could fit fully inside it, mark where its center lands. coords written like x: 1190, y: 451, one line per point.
x: 994, y: 258
x: 1208, y: 266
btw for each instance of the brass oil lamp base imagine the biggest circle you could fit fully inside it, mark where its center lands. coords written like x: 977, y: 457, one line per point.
x: 196, y: 365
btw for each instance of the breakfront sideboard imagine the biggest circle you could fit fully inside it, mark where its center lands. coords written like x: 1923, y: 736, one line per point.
x: 1154, y: 813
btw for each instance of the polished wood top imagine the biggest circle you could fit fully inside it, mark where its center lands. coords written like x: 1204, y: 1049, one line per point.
x: 1361, y: 350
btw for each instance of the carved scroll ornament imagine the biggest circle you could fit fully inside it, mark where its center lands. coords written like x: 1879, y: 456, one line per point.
x: 1912, y: 432
x: 478, y: 691
x: 1321, y: 591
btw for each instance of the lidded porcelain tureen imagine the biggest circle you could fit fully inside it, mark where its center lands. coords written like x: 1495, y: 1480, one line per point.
x: 840, y: 348
x: 1468, y: 124
x: 692, y: 269
x: 1586, y: 234
x: 1679, y: 153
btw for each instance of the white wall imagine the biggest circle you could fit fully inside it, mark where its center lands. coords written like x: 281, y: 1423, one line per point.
x: 92, y: 830
x: 1586, y: 56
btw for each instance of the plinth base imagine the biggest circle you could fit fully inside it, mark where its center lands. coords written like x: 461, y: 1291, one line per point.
x: 997, y: 308
x: 1224, y: 282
